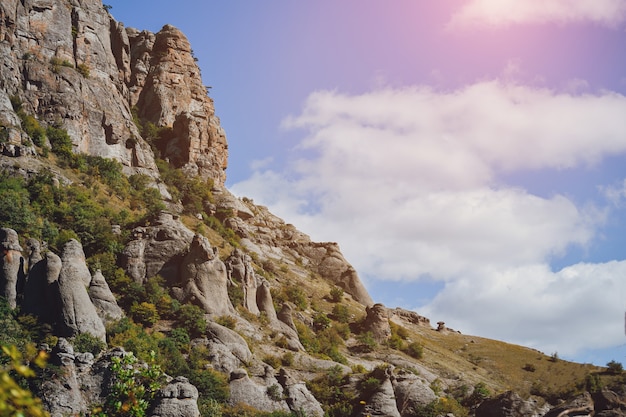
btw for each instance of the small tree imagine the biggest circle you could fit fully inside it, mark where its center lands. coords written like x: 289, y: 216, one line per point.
x: 614, y: 367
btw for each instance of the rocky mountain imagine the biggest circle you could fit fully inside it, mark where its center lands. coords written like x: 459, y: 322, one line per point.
x: 154, y: 291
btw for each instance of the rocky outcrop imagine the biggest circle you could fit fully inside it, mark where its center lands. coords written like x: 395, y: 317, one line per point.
x: 203, y: 279
x: 173, y: 96
x: 178, y: 398
x: 157, y: 249
x: 412, y: 392
x: 298, y: 396
x: 60, y: 62
x: 239, y: 267
x: 382, y: 401
x: 11, y: 265
x: 509, y: 404
x: 78, y: 314
x: 103, y: 299
x: 263, y: 391
x: 72, y: 65
x: 270, y: 238
x: 377, y: 322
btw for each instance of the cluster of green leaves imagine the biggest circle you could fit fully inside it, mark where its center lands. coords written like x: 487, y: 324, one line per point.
x: 325, y: 343
x: 134, y: 386
x: 441, y: 407
x: 15, y: 400
x: 291, y: 293
x: 193, y: 192
x: 331, y: 391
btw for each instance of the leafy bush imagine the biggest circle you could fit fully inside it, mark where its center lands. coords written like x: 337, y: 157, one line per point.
x: 227, y: 321
x: 368, y: 343
x: 341, y: 313
x: 614, y: 367
x: 415, y: 350
x: 133, y: 387
x: 336, y: 294
x: 15, y: 400
x: 85, y: 342
x: 60, y: 141
x: 144, y: 313
x: 191, y: 318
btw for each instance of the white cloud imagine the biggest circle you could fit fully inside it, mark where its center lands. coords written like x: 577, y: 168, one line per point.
x: 507, y: 12
x: 407, y: 181
x: 579, y: 307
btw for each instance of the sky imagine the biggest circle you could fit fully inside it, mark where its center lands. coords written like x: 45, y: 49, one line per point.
x: 468, y: 156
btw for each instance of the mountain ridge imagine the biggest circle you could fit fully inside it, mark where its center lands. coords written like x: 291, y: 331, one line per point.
x: 113, y: 157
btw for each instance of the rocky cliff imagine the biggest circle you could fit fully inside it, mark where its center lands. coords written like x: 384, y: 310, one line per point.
x: 118, y: 235
x: 71, y: 65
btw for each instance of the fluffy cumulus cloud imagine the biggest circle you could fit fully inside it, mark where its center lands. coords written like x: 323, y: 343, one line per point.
x: 408, y: 182
x: 506, y: 12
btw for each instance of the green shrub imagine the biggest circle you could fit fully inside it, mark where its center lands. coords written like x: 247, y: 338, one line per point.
x: 144, y: 313
x: 133, y: 387
x: 60, y: 141
x: 227, y: 321
x: 341, y: 313
x: 321, y: 322
x: 191, y: 318
x: 85, y: 342
x: 368, y: 343
x: 83, y: 70
x: 614, y: 367
x: 415, y: 350
x: 273, y: 361
x: 336, y: 294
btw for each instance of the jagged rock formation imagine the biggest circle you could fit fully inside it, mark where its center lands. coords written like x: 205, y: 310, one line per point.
x: 103, y: 299
x: 377, y: 322
x: 204, y: 280
x: 157, y: 249
x: 173, y: 95
x: 270, y: 238
x: 11, y: 265
x: 239, y: 267
x: 509, y: 404
x: 73, y: 65
x: 178, y: 398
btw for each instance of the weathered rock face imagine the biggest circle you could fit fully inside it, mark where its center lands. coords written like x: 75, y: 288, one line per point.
x: 298, y: 396
x: 239, y: 267
x: 411, y: 392
x: 270, y: 238
x: 174, y: 96
x: 78, y: 314
x: 157, y: 249
x: 203, y: 279
x: 377, y: 322
x: 11, y: 265
x: 509, y: 404
x: 71, y: 64
x: 103, y: 299
x: 178, y: 398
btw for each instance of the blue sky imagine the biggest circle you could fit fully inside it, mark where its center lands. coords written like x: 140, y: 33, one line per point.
x: 467, y: 155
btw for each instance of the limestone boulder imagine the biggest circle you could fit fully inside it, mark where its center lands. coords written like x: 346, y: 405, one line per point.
x: 179, y: 398
x: 204, y: 281
x: 412, y: 392
x: 103, y: 299
x: 298, y: 396
x: 11, y: 265
x: 157, y: 249
x: 509, y: 404
x: 377, y: 322
x: 78, y: 314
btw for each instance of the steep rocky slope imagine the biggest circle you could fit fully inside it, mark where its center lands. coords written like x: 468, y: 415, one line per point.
x: 245, y: 312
